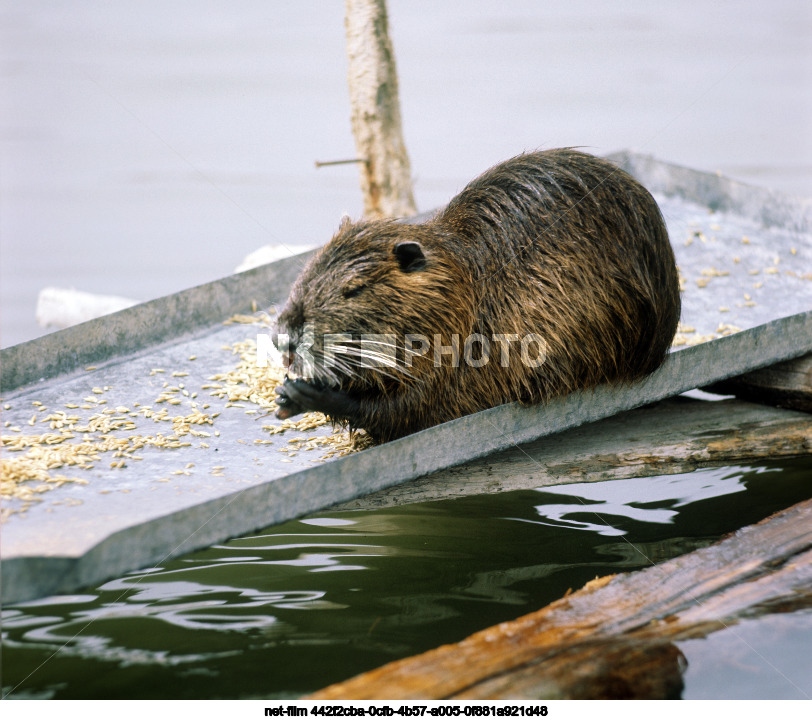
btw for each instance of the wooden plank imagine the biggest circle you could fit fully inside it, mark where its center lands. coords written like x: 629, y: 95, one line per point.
x: 614, y: 637
x: 673, y: 436
x: 787, y: 385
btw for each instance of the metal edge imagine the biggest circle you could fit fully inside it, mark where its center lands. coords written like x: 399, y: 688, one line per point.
x: 433, y: 449
x: 143, y: 327
x: 719, y: 193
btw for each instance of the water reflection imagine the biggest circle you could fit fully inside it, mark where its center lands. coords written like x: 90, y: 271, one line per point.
x: 647, y: 500
x: 314, y: 601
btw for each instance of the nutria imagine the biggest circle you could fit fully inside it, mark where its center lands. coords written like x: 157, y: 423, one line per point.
x: 549, y: 273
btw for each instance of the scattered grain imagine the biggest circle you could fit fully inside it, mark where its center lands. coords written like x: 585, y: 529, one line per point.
x: 714, y: 272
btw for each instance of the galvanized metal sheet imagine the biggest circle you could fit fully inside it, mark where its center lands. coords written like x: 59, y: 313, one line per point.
x: 744, y: 267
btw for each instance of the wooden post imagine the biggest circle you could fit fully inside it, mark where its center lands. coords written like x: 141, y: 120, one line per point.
x: 386, y: 179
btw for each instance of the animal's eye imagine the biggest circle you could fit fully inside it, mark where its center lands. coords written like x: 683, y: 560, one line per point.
x: 352, y: 289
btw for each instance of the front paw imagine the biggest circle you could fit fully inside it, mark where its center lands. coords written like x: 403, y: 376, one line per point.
x: 288, y: 407
x: 298, y: 396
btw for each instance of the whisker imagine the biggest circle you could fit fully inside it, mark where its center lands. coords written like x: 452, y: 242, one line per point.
x: 384, y: 344
x: 355, y: 358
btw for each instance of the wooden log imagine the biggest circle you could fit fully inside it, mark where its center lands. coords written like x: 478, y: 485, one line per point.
x: 787, y: 385
x: 673, y: 436
x: 614, y: 637
x: 386, y: 180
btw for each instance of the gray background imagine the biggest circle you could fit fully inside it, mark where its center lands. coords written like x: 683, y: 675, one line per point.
x: 147, y: 147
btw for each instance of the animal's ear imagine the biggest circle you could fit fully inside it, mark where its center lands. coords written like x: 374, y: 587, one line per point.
x: 410, y: 256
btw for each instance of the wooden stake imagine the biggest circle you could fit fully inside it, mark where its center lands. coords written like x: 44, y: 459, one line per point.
x: 386, y: 173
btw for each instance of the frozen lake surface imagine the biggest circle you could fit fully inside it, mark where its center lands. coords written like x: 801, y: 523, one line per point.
x: 149, y: 147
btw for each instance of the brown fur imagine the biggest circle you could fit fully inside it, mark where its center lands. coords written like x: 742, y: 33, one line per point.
x: 556, y: 243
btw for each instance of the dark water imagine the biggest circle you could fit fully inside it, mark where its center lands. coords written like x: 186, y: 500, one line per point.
x: 310, y: 602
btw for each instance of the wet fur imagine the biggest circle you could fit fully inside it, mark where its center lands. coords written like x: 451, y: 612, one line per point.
x: 557, y: 243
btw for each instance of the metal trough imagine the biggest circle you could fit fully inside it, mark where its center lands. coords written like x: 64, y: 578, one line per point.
x: 745, y: 253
